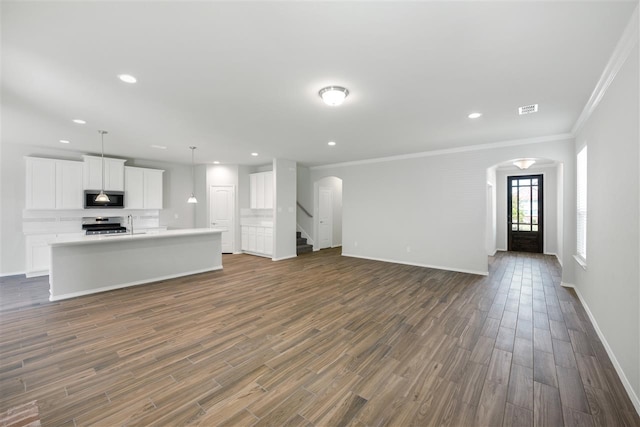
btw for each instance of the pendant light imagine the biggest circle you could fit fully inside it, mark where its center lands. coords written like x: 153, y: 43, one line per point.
x: 103, y: 198
x: 192, y: 198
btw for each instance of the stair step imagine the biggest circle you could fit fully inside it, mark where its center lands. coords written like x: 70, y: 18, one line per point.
x: 302, y: 249
x: 298, y: 234
x: 301, y: 241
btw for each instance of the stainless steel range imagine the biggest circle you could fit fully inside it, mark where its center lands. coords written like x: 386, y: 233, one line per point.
x: 103, y: 225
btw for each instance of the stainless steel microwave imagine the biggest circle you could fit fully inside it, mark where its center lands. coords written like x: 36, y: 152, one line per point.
x: 116, y: 200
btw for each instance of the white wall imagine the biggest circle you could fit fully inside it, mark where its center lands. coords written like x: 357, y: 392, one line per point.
x: 491, y: 230
x: 430, y: 210
x: 549, y: 206
x: 610, y: 285
x: 305, y: 198
x: 284, y: 225
x: 176, y: 180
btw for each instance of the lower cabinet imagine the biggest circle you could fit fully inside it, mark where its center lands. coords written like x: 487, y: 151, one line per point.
x: 257, y: 239
x: 38, y: 252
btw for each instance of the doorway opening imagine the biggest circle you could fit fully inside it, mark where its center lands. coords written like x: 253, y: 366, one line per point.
x: 525, y: 213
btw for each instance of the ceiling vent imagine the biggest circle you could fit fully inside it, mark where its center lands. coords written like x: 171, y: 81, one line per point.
x: 528, y: 109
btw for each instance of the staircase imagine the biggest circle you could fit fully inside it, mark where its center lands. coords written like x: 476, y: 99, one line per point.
x: 302, y: 246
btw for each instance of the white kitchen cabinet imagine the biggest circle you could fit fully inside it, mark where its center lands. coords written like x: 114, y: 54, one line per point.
x: 38, y: 254
x: 113, y: 173
x: 69, y: 192
x: 53, y: 184
x: 41, y: 183
x: 143, y: 188
x: 261, y: 190
x: 257, y: 239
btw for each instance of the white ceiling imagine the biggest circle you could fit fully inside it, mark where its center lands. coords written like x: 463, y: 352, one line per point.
x: 237, y: 77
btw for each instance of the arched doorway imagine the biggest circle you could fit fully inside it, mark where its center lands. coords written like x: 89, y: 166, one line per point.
x: 525, y: 214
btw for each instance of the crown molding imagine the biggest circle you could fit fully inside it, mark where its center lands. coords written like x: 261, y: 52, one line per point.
x: 465, y: 149
x: 625, y: 45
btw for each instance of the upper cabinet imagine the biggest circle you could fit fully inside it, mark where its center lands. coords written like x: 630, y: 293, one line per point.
x: 53, y: 184
x: 261, y: 190
x: 143, y: 188
x: 113, y: 173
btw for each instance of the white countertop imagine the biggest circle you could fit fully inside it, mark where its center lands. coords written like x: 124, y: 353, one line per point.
x: 105, y: 238
x: 258, y: 223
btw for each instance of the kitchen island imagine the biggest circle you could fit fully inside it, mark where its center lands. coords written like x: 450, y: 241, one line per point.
x: 98, y: 263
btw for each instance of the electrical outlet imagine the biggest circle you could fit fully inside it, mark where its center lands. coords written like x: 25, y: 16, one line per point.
x: 176, y: 216
x: 408, y: 249
x: 355, y: 243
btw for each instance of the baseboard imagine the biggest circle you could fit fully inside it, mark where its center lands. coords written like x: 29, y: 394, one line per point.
x: 126, y: 285
x: 19, y: 273
x: 458, y: 270
x: 623, y: 378
x: 555, y: 255
x: 494, y: 253
x: 285, y: 257
x: 336, y: 246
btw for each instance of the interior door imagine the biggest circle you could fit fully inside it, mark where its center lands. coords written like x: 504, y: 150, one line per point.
x: 221, y: 211
x: 325, y: 217
x: 524, y: 213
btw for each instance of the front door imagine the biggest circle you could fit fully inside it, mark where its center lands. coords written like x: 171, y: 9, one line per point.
x: 221, y: 213
x: 325, y: 218
x: 524, y: 213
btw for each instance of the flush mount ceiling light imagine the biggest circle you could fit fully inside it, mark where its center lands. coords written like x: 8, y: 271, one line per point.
x: 333, y: 95
x: 192, y: 197
x: 102, y: 197
x: 127, y: 78
x: 254, y: 154
x: 331, y: 143
x: 159, y: 147
x: 64, y: 141
x: 79, y: 121
x: 524, y: 163
x: 474, y: 115
x: 215, y: 162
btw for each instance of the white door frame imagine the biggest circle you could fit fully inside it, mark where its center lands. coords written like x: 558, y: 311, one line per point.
x: 232, y: 227
x: 330, y: 217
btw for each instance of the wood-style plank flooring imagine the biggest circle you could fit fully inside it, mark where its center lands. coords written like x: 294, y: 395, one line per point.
x: 319, y: 340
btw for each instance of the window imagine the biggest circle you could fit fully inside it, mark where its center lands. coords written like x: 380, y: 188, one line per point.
x: 581, y: 219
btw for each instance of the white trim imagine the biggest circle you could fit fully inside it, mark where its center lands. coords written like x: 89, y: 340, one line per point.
x: 283, y: 258
x: 623, y: 378
x: 304, y: 234
x: 20, y: 273
x: 494, y: 253
x: 468, y: 148
x: 581, y: 261
x: 336, y: 246
x: 620, y: 54
x: 126, y: 285
x: 38, y: 273
x: 457, y: 270
x: 256, y: 254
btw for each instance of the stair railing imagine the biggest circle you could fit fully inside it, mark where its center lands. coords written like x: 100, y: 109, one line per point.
x: 304, y: 210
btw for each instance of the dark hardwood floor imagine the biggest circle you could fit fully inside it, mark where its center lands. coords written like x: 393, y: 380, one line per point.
x: 318, y: 340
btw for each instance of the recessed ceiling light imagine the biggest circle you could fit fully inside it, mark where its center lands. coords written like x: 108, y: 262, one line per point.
x: 79, y: 121
x: 254, y: 154
x: 474, y: 115
x: 159, y: 147
x: 64, y: 141
x: 331, y: 143
x: 127, y: 78
x: 333, y: 95
x: 528, y: 109
x: 215, y: 162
